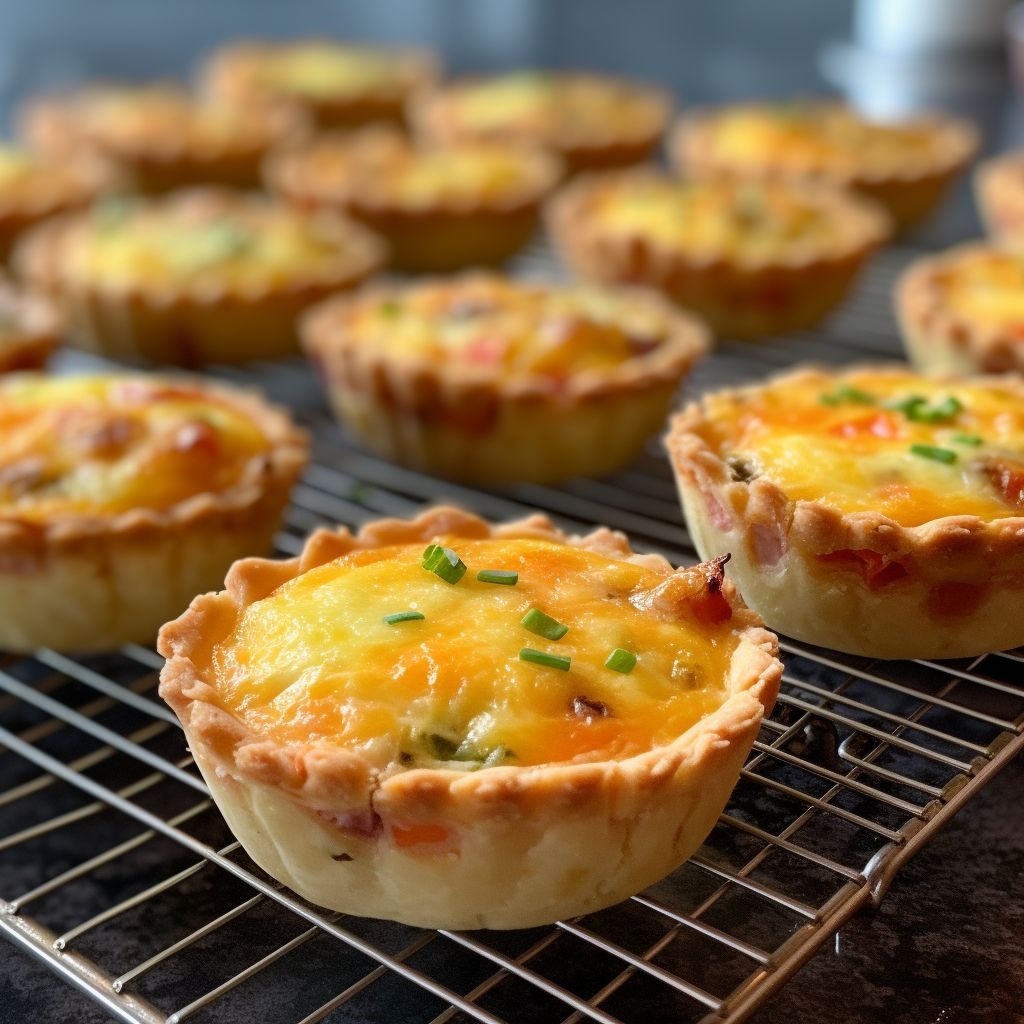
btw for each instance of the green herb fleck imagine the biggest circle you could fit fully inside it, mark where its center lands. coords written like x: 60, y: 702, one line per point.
x: 974, y: 440
x: 944, y: 410
x: 444, y: 562
x: 502, y: 577
x: 543, y: 625
x: 621, y: 661
x: 395, y: 617
x: 389, y: 308
x: 927, y: 451
x: 848, y: 393
x: 439, y: 747
x: 543, y: 658
x: 906, y: 405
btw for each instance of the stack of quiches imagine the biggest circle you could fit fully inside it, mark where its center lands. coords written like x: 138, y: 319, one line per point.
x: 444, y: 721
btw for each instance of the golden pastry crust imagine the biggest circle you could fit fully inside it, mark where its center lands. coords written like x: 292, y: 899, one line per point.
x: 339, y: 85
x: 29, y: 328
x: 226, y: 305
x: 999, y: 191
x: 473, y: 421
x: 536, y: 843
x: 939, y: 337
x: 909, y: 188
x: 93, y: 579
x: 439, y: 210
x: 32, y: 189
x: 157, y: 138
x: 736, y: 286
x: 857, y: 581
x: 591, y: 121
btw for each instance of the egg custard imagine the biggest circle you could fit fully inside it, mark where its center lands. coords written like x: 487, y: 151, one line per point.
x: 439, y: 209
x: 455, y: 725
x: 874, y: 511
x: 337, y: 84
x: 750, y: 258
x: 33, y: 188
x: 157, y: 137
x: 197, y: 276
x: 591, y: 121
x: 962, y: 311
x: 487, y: 379
x: 122, y: 497
x: 906, y: 166
x: 29, y: 328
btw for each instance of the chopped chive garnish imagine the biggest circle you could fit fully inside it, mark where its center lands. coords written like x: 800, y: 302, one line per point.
x: 545, y: 659
x: 944, y: 410
x: 395, y: 617
x: 621, y: 661
x: 971, y: 439
x: 503, y: 577
x: 927, y: 451
x: 444, y: 562
x: 848, y: 393
x: 543, y: 625
x: 906, y: 405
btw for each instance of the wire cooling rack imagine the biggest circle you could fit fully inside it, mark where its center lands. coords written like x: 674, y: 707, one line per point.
x: 117, y: 872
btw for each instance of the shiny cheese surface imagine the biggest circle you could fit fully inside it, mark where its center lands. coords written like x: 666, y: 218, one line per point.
x: 322, y: 70
x: 841, y: 441
x: 523, y: 330
x: 546, y: 107
x: 103, y: 445
x: 389, y: 167
x: 748, y: 219
x: 316, y: 661
x: 984, y: 286
x: 189, y: 239
x: 824, y: 137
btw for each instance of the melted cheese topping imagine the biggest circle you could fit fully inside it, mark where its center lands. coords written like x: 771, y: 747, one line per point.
x: 547, y: 108
x: 315, y: 661
x: 985, y: 286
x: 523, y: 330
x: 820, y: 137
x: 323, y: 70
x: 377, y: 164
x: 853, y: 450
x: 156, y: 115
x: 188, y: 240
x: 103, y: 445
x: 756, y: 220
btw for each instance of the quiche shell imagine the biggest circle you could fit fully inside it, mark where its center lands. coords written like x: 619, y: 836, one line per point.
x: 909, y: 195
x: 87, y: 582
x: 458, y: 423
x: 29, y: 329
x: 941, y: 340
x: 191, y: 324
x: 999, y: 190
x: 736, y: 296
x: 536, y: 843
x: 965, y: 576
x: 429, y: 236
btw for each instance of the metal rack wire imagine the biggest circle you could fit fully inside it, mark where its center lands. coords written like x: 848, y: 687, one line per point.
x: 120, y: 876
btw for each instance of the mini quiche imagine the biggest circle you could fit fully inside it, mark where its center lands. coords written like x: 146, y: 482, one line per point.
x: 873, y: 511
x: 444, y: 209
x: 33, y: 188
x: 907, y: 166
x: 592, y: 121
x: 197, y: 276
x: 462, y: 726
x: 490, y: 380
x: 750, y: 258
x: 122, y: 497
x: 29, y: 328
x: 962, y: 311
x: 157, y: 137
x: 338, y: 85
x: 999, y: 190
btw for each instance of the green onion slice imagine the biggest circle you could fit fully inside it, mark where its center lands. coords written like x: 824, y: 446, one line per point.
x: 621, y: 661
x: 444, y: 562
x: 395, y: 617
x: 545, y: 659
x: 503, y: 577
x: 947, y: 409
x: 969, y: 439
x: 927, y: 451
x: 543, y: 625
